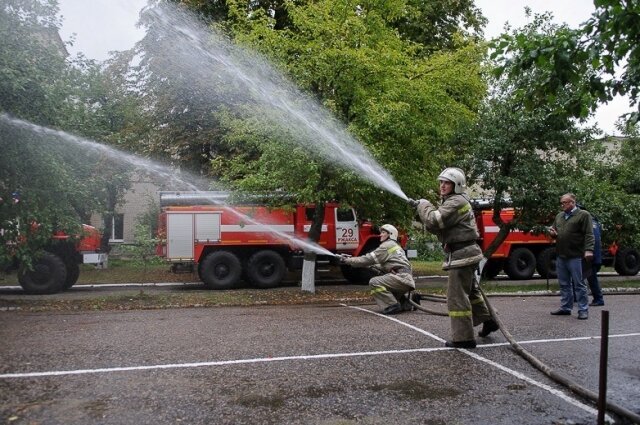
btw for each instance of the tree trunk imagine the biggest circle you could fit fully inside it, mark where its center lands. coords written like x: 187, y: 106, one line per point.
x: 309, y: 272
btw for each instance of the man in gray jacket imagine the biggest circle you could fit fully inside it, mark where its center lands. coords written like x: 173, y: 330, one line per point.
x: 573, y: 231
x: 454, y: 224
x: 388, y: 289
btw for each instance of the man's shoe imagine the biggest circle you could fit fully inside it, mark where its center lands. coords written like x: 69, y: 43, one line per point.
x: 488, y: 327
x: 583, y: 315
x: 561, y: 312
x: 461, y: 344
x: 393, y: 309
x: 597, y: 303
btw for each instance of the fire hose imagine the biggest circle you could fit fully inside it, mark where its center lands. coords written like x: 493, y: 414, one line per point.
x: 538, y: 364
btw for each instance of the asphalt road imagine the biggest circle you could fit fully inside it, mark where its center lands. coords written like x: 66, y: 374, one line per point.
x: 332, y: 364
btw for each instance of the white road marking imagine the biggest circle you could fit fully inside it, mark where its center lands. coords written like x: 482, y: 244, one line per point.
x: 512, y: 372
x: 217, y: 363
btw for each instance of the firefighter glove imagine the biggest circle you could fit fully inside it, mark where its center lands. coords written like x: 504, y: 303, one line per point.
x: 413, y: 203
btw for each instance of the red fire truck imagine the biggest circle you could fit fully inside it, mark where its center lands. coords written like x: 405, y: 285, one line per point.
x: 57, y: 266
x: 523, y: 253
x: 251, y: 241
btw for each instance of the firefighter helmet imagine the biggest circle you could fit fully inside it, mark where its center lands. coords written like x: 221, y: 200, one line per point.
x: 455, y: 176
x: 392, y: 231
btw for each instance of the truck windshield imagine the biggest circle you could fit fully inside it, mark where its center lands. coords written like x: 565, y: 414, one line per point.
x: 345, y: 214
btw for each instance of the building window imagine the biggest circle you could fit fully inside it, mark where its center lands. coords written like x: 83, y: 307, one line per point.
x: 117, y: 228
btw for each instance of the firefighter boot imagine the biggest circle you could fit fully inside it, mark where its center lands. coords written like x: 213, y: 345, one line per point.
x: 461, y: 344
x: 393, y: 309
x: 488, y: 327
x: 415, y: 297
x: 404, y: 303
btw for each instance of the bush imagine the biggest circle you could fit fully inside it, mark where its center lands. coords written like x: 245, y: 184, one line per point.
x: 427, y: 245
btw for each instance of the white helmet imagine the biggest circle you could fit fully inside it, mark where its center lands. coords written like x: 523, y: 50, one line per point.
x: 455, y: 176
x: 392, y: 231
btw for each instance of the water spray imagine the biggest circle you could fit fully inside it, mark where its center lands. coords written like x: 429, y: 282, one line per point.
x: 206, y: 56
x: 156, y: 169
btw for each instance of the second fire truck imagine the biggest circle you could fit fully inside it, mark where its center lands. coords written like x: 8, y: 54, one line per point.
x: 523, y: 253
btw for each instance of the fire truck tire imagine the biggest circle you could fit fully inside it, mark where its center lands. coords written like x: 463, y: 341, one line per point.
x: 627, y: 262
x: 266, y: 269
x: 220, y: 270
x: 546, y: 263
x: 73, y: 273
x: 491, y: 269
x: 357, y: 276
x: 520, y: 264
x: 47, y: 277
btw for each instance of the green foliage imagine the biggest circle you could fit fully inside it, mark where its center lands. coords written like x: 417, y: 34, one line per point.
x: 61, y: 179
x: 404, y: 107
x: 608, y: 188
x: 587, y: 57
x: 438, y: 24
x: 427, y: 245
x: 32, y: 60
x: 143, y: 250
x: 526, y: 157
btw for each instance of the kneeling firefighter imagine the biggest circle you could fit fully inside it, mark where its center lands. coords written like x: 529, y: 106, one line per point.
x: 454, y: 224
x: 389, y: 290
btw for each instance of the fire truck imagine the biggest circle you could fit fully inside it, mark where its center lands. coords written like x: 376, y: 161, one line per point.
x: 523, y: 253
x: 253, y: 242
x: 57, y: 266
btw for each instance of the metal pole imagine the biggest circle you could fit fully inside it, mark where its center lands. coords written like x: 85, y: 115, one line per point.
x: 604, y: 355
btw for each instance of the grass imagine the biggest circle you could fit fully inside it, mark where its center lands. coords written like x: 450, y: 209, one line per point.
x: 135, y: 299
x: 123, y: 271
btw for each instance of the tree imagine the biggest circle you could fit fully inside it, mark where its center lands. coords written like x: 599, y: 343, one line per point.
x: 32, y: 60
x: 49, y: 180
x: 402, y: 106
x: 527, y: 157
x: 609, y: 188
x: 608, y: 41
x: 442, y: 24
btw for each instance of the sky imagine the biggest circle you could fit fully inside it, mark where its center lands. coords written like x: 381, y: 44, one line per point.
x: 102, y: 26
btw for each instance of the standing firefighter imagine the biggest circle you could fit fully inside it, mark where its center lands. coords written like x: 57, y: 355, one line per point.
x: 390, y: 289
x: 454, y: 224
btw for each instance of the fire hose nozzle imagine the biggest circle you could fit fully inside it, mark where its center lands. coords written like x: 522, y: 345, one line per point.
x: 413, y: 203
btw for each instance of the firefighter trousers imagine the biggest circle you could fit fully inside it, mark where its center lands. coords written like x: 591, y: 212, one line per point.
x: 386, y: 288
x: 464, y: 301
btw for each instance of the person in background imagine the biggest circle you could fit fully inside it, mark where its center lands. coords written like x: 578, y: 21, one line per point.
x: 573, y: 231
x: 389, y: 290
x: 455, y: 226
x: 596, y: 264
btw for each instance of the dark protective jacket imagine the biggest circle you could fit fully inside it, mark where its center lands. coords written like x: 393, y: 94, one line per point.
x: 575, y: 233
x: 597, y: 241
x: 455, y: 226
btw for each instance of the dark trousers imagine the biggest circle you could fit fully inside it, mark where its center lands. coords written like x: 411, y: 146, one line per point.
x: 594, y: 284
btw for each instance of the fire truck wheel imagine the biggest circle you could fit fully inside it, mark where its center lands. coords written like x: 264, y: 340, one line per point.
x: 47, y: 277
x: 627, y: 262
x: 220, y: 270
x: 73, y: 273
x: 357, y: 276
x: 491, y: 269
x: 266, y: 269
x: 520, y: 264
x: 546, y: 263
